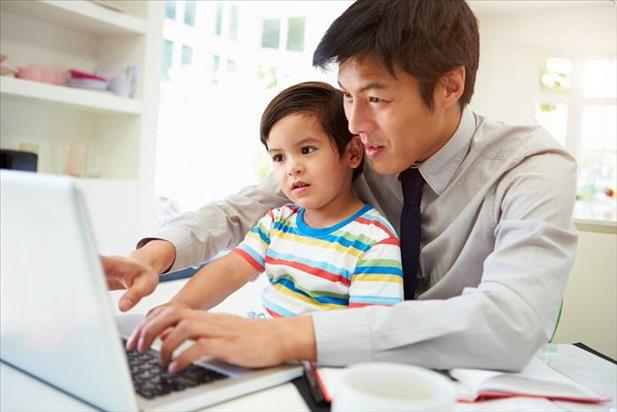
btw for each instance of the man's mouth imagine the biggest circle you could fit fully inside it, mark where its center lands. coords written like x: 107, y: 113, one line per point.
x: 373, y: 150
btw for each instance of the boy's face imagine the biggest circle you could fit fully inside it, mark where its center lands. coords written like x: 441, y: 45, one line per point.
x: 307, y: 165
x: 390, y: 117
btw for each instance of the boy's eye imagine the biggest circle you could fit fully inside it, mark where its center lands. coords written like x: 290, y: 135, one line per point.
x: 307, y: 150
x: 374, y: 99
x: 277, y: 158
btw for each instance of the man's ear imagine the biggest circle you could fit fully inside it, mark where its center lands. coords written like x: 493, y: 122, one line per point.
x: 354, y: 152
x: 450, y: 88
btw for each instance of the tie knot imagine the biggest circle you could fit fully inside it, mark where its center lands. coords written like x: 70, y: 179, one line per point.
x: 411, y: 183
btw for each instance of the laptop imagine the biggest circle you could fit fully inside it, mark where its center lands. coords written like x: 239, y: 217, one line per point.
x: 56, y: 315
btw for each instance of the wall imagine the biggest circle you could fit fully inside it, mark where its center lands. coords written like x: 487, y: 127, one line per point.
x: 590, y: 303
x: 515, y: 38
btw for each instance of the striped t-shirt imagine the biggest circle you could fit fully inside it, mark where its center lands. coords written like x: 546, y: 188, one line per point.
x: 354, y: 263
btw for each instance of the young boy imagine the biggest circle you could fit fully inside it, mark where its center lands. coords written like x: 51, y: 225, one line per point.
x: 327, y: 249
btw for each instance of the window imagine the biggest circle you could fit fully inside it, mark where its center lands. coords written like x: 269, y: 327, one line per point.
x: 231, y: 66
x: 295, y: 34
x: 187, y: 56
x: 240, y: 56
x: 580, y: 111
x: 556, y: 75
x: 218, y: 26
x: 267, y: 76
x: 270, y: 33
x: 600, y: 79
x: 554, y: 118
x: 170, y: 9
x: 216, y: 64
x: 189, y: 12
x: 234, y: 17
x: 168, y: 54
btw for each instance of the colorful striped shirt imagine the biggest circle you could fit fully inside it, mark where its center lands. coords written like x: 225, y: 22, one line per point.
x: 354, y: 263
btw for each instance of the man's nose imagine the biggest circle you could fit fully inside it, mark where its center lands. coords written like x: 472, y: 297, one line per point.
x: 359, y: 119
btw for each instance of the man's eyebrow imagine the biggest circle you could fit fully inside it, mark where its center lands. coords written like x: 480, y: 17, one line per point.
x: 370, y: 86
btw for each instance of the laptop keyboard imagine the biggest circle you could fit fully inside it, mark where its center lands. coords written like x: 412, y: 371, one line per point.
x: 151, y: 380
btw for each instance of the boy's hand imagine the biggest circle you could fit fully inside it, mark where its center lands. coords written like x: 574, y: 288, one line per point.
x: 129, y: 273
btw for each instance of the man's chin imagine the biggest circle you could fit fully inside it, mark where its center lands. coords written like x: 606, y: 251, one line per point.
x: 383, y: 167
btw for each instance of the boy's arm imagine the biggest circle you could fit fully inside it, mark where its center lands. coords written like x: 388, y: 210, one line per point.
x: 212, y: 284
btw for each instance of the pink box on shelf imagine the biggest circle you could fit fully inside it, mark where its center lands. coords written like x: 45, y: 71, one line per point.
x: 43, y: 74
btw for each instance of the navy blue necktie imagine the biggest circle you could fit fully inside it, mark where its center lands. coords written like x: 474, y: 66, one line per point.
x: 411, y: 182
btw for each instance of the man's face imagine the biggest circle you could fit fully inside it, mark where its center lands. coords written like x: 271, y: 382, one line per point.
x: 388, y: 114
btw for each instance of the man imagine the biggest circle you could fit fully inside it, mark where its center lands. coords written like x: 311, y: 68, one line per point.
x: 497, y: 240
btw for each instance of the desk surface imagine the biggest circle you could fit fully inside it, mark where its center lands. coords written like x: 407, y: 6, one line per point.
x: 19, y: 391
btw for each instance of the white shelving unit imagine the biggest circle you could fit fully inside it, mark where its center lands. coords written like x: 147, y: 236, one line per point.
x: 83, y: 16
x: 88, y: 100
x: 116, y: 135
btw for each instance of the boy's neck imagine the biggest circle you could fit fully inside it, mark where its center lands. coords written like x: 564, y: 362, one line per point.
x: 334, y: 212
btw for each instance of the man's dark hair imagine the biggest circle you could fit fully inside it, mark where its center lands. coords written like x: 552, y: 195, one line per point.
x: 313, y: 99
x: 425, y: 38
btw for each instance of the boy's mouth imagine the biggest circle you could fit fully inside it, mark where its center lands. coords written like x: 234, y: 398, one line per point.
x: 298, y: 185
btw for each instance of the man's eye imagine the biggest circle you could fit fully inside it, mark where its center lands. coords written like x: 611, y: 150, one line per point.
x: 307, y: 150
x: 277, y: 158
x: 346, y: 95
x: 374, y: 99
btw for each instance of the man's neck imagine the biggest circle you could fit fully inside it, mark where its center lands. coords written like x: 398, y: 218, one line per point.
x: 451, y: 120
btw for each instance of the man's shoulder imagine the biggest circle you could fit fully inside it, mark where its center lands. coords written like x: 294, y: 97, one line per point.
x: 496, y: 140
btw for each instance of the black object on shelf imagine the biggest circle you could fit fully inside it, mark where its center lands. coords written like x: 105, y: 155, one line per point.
x: 16, y: 160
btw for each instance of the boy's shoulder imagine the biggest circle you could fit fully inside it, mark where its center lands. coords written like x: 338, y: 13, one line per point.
x: 284, y: 212
x: 373, y: 224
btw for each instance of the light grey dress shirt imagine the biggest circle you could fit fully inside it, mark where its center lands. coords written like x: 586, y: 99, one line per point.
x: 498, y: 243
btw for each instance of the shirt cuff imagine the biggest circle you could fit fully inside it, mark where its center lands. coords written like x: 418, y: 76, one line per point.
x: 342, y: 336
x: 184, y: 248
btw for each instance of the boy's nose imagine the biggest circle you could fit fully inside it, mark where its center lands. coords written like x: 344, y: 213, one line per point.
x: 294, y: 169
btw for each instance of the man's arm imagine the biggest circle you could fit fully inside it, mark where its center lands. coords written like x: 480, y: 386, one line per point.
x: 199, y: 235
x: 188, y: 240
x: 500, y: 323
x: 246, y: 342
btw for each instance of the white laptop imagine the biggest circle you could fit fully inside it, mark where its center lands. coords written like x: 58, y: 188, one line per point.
x: 57, y: 322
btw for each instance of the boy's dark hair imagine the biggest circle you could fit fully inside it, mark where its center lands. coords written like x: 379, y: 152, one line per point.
x: 313, y: 99
x: 425, y: 38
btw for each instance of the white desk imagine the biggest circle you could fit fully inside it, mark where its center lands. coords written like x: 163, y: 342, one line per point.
x: 20, y: 392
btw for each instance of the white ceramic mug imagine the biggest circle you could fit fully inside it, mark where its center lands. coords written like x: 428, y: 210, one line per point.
x: 392, y: 387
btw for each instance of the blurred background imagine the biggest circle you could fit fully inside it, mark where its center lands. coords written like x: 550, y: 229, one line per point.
x: 551, y: 63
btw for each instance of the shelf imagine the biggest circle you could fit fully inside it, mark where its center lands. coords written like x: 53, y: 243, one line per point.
x: 597, y: 226
x: 80, y: 15
x: 89, y: 100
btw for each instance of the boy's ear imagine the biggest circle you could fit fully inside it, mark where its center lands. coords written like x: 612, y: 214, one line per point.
x: 354, y: 152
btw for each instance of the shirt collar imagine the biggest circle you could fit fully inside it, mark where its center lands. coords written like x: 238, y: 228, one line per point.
x: 439, y: 169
